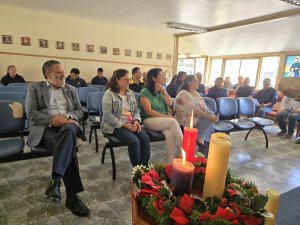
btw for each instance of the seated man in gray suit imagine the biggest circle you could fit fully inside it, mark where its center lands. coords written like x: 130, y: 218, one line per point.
x: 53, y: 110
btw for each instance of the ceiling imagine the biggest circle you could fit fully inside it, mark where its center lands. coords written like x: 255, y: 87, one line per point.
x: 154, y: 14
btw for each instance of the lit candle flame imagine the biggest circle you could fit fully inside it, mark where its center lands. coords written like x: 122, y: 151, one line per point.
x: 192, y: 117
x: 183, y: 157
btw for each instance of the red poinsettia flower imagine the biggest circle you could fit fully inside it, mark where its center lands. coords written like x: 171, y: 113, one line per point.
x: 199, y: 169
x: 169, y: 170
x: 179, y: 217
x: 232, y: 192
x: 206, y: 216
x: 200, y: 160
x: 158, y: 205
x: 223, y: 203
x: 186, y: 203
x: 225, y: 214
x: 146, y: 179
x: 250, y: 220
x: 146, y: 192
x: 154, y: 174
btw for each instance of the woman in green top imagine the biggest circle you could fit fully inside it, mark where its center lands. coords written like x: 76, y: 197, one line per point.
x: 154, y: 112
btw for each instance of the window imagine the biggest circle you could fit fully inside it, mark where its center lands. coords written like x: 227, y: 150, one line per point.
x: 200, y: 64
x: 215, y: 71
x: 186, y: 65
x: 269, y: 69
x: 249, y: 69
x: 232, y: 69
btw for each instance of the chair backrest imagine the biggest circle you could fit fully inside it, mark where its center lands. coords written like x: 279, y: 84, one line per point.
x: 227, y: 106
x: 83, y: 93
x: 17, y: 84
x: 210, y: 104
x: 14, y: 89
x: 246, y: 106
x: 100, y: 105
x: 11, y: 117
x: 14, y: 96
x: 100, y: 87
x: 93, y: 101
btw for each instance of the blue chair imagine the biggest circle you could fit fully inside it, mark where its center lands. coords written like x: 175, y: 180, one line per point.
x: 17, y: 84
x: 220, y: 126
x: 14, y: 96
x: 14, y: 89
x: 11, y: 122
x: 100, y: 87
x: 247, y: 108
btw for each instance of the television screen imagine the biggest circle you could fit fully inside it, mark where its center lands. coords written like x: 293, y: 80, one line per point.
x: 292, y: 66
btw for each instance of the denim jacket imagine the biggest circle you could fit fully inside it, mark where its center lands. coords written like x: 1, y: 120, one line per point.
x: 112, y: 107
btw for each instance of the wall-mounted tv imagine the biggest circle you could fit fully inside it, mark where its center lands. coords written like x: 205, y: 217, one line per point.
x: 292, y: 66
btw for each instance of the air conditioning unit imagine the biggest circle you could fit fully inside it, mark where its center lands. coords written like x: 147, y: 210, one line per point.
x: 186, y: 27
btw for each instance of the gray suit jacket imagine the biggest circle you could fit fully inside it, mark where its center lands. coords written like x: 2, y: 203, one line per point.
x: 37, y: 105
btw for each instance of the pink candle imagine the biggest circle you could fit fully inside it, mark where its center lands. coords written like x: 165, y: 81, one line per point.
x: 182, y: 175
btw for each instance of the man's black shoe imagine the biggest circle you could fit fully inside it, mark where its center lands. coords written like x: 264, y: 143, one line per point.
x: 53, y: 191
x: 77, y: 207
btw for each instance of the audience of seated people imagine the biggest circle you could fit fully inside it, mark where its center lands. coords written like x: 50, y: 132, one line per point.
x: 121, y: 118
x: 136, y: 84
x: 239, y: 83
x: 227, y: 83
x: 74, y: 80
x: 290, y: 111
x: 154, y: 103
x: 266, y: 98
x: 245, y: 90
x: 12, y: 76
x: 217, y: 91
x: 201, y: 87
x: 172, y: 88
x: 99, y: 79
x: 188, y: 100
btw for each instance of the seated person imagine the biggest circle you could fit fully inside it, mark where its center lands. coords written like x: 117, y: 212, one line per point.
x: 189, y: 99
x: 99, y: 79
x: 121, y: 118
x: 289, y: 110
x: 201, y: 87
x: 53, y: 109
x: 227, y: 83
x: 172, y: 88
x: 217, y: 91
x: 266, y: 98
x: 136, y: 84
x: 245, y: 90
x: 240, y: 82
x: 154, y: 102
x: 12, y: 76
x: 74, y: 80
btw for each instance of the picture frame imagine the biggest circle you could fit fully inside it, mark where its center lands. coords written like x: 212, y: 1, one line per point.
x: 292, y: 66
x: 43, y: 43
x: 26, y: 41
x: 60, y: 45
x: 103, y: 49
x: 149, y: 55
x: 127, y: 52
x: 158, y: 55
x: 116, y: 51
x: 168, y: 56
x: 75, y: 47
x: 90, y: 48
x: 139, y: 54
x: 7, y: 39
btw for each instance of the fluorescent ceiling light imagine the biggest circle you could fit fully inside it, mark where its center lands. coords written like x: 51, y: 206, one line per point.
x: 186, y: 27
x: 293, y: 2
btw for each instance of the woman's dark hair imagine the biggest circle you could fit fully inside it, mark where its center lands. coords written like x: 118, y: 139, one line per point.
x: 185, y: 85
x: 174, y: 78
x: 117, y: 74
x: 150, y: 84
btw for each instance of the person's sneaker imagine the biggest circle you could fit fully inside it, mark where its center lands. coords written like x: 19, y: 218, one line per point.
x: 77, y: 207
x: 281, y: 133
x: 53, y: 191
x: 288, y: 135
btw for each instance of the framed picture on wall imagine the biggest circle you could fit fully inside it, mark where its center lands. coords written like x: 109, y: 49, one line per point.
x: 43, y: 43
x: 90, y: 48
x: 116, y: 51
x: 159, y: 56
x: 25, y: 41
x: 75, y: 47
x: 103, y: 50
x: 149, y: 55
x: 7, y: 39
x: 127, y: 52
x: 60, y: 45
x: 139, y: 54
x: 168, y: 56
x: 292, y: 66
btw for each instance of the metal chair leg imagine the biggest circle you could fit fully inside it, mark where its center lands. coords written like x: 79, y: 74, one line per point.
x: 103, y: 153
x: 266, y: 136
x: 248, y: 133
x: 113, y: 161
x: 91, y: 133
x: 96, y: 139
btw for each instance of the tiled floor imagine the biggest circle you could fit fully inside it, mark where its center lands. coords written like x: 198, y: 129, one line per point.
x: 23, y: 183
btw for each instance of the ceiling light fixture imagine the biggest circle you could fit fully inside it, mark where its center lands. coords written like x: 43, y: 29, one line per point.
x: 186, y: 27
x: 293, y: 2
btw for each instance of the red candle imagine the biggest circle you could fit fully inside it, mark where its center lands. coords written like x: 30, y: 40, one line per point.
x: 189, y: 140
x: 182, y: 175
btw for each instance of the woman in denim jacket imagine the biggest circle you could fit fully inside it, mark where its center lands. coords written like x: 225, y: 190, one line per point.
x: 121, y: 118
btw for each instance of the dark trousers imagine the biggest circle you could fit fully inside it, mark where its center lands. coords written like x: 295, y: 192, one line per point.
x: 291, y: 117
x: 138, y: 145
x: 61, y: 142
